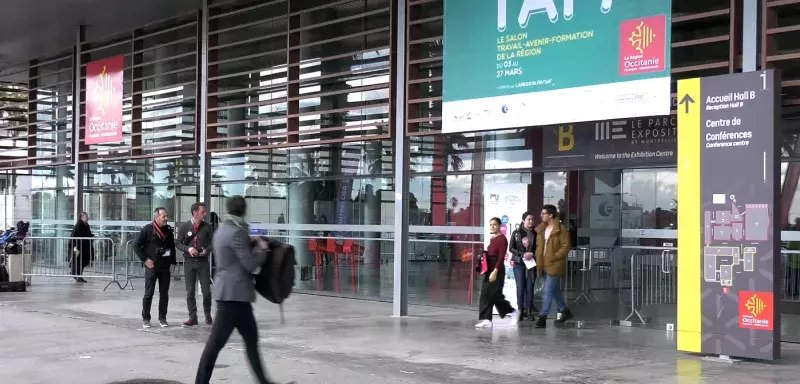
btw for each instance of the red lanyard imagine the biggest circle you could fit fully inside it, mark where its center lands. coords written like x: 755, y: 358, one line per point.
x: 155, y: 225
x: 196, y: 228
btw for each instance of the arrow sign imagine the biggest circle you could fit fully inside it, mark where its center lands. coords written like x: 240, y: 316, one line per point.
x: 686, y: 100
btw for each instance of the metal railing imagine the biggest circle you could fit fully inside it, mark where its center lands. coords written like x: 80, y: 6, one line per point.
x: 76, y: 257
x: 653, y: 278
x: 592, y: 269
x: 790, y: 275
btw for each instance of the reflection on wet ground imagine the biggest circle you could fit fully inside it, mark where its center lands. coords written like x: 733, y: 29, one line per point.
x: 433, y: 345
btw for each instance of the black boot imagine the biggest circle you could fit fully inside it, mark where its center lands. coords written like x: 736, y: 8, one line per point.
x: 563, y: 316
x: 523, y: 314
x: 541, y: 322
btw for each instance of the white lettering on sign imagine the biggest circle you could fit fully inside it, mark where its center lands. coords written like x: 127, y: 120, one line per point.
x: 530, y: 8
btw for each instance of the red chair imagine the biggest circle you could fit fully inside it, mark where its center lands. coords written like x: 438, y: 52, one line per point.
x: 318, y: 250
x: 353, y: 252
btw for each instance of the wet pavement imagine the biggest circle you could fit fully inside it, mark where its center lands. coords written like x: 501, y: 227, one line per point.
x: 59, y: 332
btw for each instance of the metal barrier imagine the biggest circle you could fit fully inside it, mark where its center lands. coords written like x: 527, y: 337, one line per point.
x: 790, y: 275
x: 654, y: 279
x: 595, y: 269
x: 133, y: 268
x: 69, y: 257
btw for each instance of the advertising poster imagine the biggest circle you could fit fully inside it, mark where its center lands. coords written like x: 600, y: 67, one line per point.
x: 507, y: 202
x: 520, y: 63
x: 729, y: 273
x: 104, y: 100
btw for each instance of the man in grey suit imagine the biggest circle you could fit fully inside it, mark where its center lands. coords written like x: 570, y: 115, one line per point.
x: 237, y: 259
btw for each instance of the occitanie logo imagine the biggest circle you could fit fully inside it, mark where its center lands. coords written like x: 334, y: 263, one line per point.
x: 755, y: 305
x: 641, y: 37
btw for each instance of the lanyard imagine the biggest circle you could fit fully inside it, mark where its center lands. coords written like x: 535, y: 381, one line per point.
x: 196, y: 228
x: 161, y: 233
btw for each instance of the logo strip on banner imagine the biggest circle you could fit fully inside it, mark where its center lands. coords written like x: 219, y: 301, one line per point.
x: 690, y: 265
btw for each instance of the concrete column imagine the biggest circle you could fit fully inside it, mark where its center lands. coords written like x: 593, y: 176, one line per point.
x: 401, y: 163
x: 300, y: 196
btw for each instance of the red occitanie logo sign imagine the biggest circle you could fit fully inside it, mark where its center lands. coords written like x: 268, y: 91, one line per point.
x: 756, y: 310
x: 104, y: 100
x: 642, y: 45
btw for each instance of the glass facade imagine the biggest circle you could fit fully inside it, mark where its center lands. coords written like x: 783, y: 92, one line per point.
x: 291, y: 104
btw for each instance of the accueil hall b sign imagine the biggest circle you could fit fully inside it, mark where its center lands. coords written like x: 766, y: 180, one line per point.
x: 728, y: 183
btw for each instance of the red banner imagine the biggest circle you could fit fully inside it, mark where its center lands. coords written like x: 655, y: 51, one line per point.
x: 104, y: 100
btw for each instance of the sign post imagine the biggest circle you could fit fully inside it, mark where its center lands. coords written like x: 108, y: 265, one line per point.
x: 729, y: 249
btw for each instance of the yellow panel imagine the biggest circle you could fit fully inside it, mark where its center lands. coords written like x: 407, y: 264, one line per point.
x: 689, y: 223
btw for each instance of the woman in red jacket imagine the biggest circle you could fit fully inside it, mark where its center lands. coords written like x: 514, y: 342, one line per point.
x: 492, y: 287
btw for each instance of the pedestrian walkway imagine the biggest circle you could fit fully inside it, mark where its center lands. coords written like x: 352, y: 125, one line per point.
x: 65, y: 333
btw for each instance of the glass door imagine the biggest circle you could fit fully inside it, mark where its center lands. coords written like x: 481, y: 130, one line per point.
x: 596, y: 266
x: 648, y: 242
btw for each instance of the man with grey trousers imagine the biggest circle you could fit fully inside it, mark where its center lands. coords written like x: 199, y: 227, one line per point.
x: 237, y: 258
x: 194, y: 240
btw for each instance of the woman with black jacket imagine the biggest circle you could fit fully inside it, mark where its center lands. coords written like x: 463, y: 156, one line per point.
x: 80, y: 249
x: 523, y: 247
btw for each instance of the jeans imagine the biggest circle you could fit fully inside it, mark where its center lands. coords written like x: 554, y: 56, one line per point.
x: 552, y: 291
x: 230, y: 315
x: 525, y: 279
x: 197, y: 269
x: 161, y: 275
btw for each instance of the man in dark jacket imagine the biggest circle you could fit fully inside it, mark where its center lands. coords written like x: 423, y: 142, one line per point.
x: 194, y: 240
x: 234, y: 288
x: 522, y: 248
x: 155, y: 247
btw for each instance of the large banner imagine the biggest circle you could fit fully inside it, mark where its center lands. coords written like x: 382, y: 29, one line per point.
x: 104, y: 100
x: 729, y: 269
x: 612, y: 143
x: 515, y: 63
x: 507, y: 202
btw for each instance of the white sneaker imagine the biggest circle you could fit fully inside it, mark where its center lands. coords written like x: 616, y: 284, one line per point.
x: 514, y: 318
x: 484, y: 324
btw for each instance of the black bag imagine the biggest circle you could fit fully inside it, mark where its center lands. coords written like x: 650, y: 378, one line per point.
x: 275, y: 281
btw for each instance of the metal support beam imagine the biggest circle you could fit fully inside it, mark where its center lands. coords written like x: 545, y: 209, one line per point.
x: 401, y: 162
x: 204, y: 189
x: 77, y: 61
x: 750, y: 38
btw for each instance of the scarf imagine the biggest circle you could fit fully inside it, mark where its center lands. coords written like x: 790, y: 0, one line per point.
x: 237, y: 221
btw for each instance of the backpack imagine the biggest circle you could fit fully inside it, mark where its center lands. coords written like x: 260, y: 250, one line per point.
x: 275, y: 281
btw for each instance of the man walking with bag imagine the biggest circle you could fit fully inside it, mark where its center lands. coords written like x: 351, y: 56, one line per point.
x: 234, y: 288
x: 195, y: 241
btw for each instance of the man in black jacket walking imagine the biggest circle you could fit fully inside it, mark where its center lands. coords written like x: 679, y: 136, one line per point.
x: 194, y: 240
x: 155, y: 247
x: 522, y: 248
